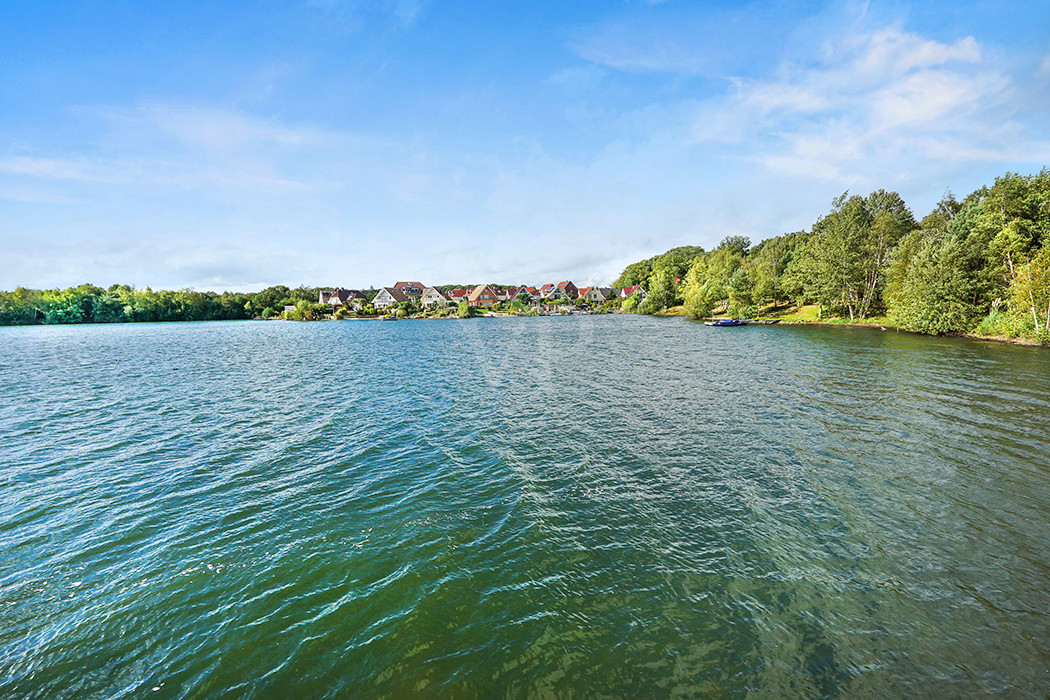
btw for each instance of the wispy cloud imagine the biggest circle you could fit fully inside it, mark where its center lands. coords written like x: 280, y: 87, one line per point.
x: 355, y: 13
x: 50, y: 168
x: 679, y: 38
x: 210, y: 127
x: 870, y: 99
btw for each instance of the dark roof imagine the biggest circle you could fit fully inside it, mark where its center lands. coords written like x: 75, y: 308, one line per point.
x: 343, y: 295
x: 398, y: 295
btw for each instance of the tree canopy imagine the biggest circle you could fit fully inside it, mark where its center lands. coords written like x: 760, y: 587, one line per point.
x: 981, y: 264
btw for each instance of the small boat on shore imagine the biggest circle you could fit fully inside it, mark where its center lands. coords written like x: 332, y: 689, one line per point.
x: 727, y: 322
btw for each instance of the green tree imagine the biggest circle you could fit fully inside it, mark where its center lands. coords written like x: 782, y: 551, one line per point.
x: 741, y: 297
x: 736, y: 245
x: 933, y: 288
x: 833, y: 263
x: 662, y: 290
x: 1030, y: 291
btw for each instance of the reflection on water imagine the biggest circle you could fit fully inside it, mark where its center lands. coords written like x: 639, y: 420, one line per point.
x: 577, y: 507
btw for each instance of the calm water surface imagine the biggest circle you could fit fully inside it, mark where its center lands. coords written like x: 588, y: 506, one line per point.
x: 553, y: 507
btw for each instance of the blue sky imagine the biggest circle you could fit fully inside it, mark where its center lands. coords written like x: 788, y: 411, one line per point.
x: 234, y: 145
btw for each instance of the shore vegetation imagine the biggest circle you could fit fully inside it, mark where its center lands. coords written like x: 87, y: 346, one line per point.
x: 979, y: 265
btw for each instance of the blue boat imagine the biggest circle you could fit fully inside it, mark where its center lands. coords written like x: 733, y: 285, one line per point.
x: 726, y: 322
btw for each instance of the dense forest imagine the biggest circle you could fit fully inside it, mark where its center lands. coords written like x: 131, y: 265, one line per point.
x: 980, y: 265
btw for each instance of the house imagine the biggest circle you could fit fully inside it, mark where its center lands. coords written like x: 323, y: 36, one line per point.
x: 412, y: 290
x: 389, y: 296
x: 630, y: 291
x: 591, y: 295
x: 432, y: 296
x: 339, y: 297
x: 482, y: 295
x: 564, y: 290
x: 569, y: 289
x: 529, y: 292
x: 502, y: 294
x: 596, y: 295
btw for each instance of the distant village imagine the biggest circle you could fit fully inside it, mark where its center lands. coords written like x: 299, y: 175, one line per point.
x: 549, y: 298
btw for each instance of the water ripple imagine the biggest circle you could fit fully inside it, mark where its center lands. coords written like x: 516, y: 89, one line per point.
x: 571, y: 507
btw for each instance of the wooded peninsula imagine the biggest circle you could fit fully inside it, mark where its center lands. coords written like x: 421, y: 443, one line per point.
x: 980, y: 265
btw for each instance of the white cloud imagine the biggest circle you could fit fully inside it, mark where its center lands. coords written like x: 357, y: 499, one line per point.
x: 893, y: 52
x: 873, y: 102
x: 209, y: 127
x: 49, y: 168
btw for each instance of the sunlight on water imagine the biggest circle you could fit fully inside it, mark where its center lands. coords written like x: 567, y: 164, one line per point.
x: 574, y: 507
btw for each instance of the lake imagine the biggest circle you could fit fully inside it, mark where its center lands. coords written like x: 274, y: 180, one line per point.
x: 593, y: 506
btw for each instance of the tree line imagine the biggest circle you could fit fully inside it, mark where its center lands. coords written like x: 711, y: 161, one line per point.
x: 979, y: 265
x: 121, y: 303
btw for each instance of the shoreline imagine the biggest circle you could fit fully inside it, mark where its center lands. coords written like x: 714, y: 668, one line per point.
x: 1026, y: 342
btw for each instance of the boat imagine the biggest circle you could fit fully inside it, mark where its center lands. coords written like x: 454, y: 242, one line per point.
x: 727, y: 322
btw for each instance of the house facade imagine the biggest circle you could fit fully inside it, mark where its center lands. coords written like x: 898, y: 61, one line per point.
x: 339, y: 297
x: 596, y: 295
x: 388, y: 296
x: 529, y: 292
x: 433, y: 297
x: 482, y: 296
x: 569, y: 289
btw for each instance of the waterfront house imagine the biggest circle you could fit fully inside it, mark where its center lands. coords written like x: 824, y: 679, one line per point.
x: 563, y: 290
x: 412, y: 290
x: 596, y: 295
x: 389, y: 296
x: 529, y: 292
x: 630, y: 291
x: 339, y: 297
x: 569, y: 289
x: 432, y: 296
x: 482, y: 295
x: 456, y: 295
x: 556, y: 294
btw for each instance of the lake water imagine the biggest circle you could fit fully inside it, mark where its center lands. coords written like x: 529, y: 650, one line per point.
x: 539, y: 507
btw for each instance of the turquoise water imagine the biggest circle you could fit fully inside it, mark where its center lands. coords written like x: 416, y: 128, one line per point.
x: 539, y: 507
